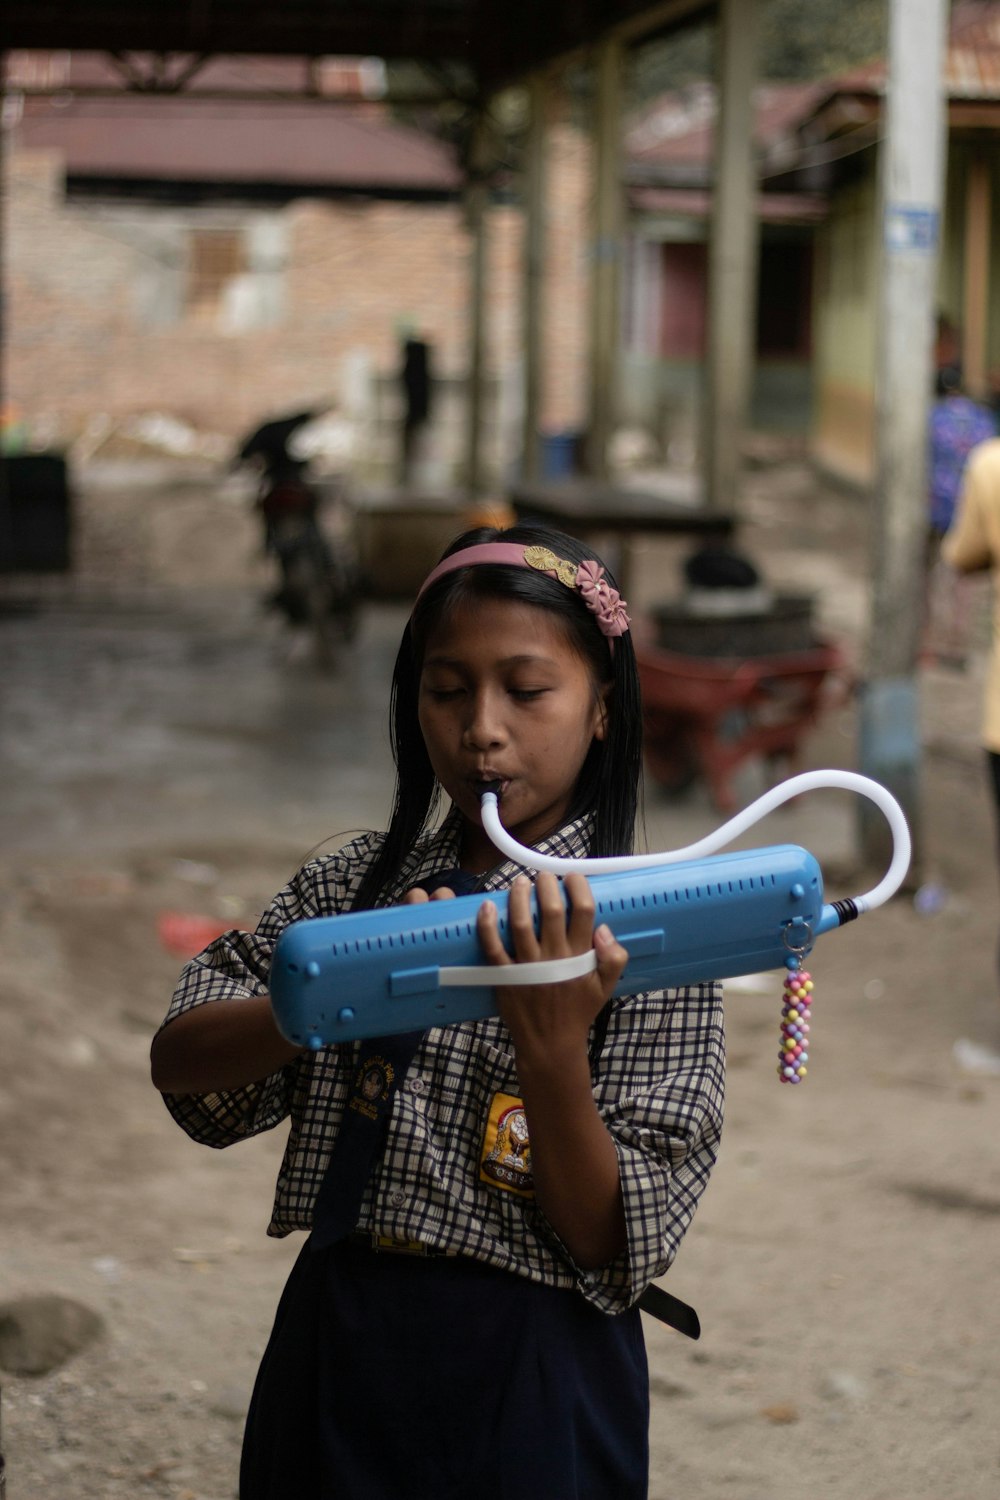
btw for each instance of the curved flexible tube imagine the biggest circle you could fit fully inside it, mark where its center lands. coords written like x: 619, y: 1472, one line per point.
x: 807, y: 781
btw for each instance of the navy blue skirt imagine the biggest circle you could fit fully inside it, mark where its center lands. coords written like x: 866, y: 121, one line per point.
x: 391, y: 1377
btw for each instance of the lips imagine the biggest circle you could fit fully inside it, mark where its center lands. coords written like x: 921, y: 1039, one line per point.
x: 486, y: 779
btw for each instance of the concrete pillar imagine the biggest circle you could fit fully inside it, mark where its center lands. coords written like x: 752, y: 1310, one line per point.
x: 911, y: 181
x: 732, y: 257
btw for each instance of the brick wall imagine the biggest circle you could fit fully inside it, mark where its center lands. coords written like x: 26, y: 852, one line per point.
x: 97, y: 324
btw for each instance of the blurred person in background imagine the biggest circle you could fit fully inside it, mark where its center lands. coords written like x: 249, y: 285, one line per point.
x: 972, y: 545
x: 957, y: 424
x: 417, y: 382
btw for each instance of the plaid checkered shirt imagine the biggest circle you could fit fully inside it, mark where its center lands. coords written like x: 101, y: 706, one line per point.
x: 658, y: 1083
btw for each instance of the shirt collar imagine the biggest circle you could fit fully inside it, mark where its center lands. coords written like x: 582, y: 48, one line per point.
x: 441, y: 850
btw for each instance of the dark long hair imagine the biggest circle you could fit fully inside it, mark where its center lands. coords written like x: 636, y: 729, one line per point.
x: 609, y: 784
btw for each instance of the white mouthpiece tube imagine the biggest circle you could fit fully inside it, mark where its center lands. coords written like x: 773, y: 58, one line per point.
x: 808, y: 781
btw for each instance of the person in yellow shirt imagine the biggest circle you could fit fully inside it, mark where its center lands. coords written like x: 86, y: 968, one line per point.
x: 972, y: 545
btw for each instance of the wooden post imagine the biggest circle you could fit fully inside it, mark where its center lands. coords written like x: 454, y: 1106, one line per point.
x: 534, y: 273
x: 912, y: 171
x: 732, y: 258
x: 975, y: 292
x: 476, y: 204
x: 605, y: 255
x: 6, y: 517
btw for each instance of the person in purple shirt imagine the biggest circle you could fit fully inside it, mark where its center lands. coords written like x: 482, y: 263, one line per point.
x: 957, y: 424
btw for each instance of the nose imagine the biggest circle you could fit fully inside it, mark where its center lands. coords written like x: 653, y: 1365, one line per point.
x: 484, y: 726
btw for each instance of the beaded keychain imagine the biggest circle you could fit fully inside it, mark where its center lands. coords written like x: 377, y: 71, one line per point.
x: 797, y: 998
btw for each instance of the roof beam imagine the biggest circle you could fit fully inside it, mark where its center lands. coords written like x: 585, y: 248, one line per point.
x: 498, y: 39
x: 399, y: 30
x: 664, y: 16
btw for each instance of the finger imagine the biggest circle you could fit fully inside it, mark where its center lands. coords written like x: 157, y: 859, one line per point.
x: 415, y: 897
x: 553, y: 920
x: 443, y: 893
x: 583, y: 909
x: 611, y: 957
x: 520, y: 921
x: 488, y: 931
x: 550, y: 900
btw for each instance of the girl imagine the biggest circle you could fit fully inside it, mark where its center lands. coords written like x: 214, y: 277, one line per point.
x: 462, y: 1323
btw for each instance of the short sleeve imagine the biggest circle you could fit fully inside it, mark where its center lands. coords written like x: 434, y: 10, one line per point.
x: 966, y: 545
x: 237, y: 966
x: 664, y: 1064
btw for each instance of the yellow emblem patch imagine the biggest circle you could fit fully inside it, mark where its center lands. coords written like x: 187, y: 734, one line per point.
x: 372, y: 1083
x: 505, y: 1161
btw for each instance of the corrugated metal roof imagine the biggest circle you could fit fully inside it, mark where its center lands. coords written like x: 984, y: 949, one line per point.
x: 973, y: 69
x: 672, y: 138
x: 694, y: 203
x: 677, y: 129
x: 972, y: 62
x: 191, y: 140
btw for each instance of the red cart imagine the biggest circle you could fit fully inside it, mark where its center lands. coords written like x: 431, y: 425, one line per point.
x: 704, y: 716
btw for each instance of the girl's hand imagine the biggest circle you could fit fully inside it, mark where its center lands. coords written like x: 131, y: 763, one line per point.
x: 574, y: 1160
x: 551, y: 1022
x: 417, y: 896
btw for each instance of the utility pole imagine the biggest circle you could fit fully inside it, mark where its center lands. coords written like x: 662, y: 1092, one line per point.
x: 477, y: 198
x: 911, y: 167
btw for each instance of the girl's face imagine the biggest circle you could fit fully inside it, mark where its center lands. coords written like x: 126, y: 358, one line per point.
x: 504, y: 697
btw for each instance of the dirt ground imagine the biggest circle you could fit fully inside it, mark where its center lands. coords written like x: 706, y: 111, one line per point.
x: 167, y: 749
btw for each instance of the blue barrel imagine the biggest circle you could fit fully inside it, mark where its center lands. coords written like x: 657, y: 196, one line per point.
x: 559, y: 454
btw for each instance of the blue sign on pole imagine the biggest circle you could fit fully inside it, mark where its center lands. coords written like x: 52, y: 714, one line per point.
x: 911, y: 229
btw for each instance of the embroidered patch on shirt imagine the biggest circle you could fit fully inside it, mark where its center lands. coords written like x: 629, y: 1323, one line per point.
x: 505, y: 1160
x: 371, y: 1086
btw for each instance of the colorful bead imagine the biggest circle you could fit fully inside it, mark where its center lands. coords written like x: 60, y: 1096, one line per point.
x: 796, y: 1000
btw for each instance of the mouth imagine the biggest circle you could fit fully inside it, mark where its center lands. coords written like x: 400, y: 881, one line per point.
x: 487, y: 783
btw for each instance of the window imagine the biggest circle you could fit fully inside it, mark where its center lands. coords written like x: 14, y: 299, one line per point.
x: 216, y: 258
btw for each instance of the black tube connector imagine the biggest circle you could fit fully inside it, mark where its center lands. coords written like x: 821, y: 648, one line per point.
x: 846, y: 910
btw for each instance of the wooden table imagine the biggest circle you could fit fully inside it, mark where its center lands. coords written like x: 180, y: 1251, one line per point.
x: 583, y: 507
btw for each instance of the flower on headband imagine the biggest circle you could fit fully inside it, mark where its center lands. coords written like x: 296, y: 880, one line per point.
x: 604, y: 602
x: 601, y: 599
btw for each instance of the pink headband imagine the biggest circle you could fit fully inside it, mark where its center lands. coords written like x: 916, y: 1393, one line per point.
x: 586, y: 578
